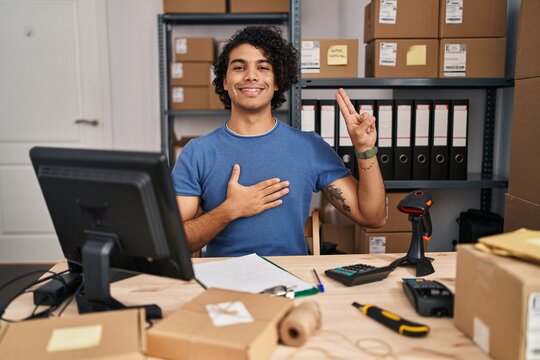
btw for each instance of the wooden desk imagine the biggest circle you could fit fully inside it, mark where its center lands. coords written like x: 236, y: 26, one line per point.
x: 342, y: 326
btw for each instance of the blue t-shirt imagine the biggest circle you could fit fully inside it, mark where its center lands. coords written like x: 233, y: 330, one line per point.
x: 303, y: 158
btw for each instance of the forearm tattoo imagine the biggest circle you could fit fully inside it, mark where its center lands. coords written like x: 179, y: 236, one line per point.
x: 337, y: 194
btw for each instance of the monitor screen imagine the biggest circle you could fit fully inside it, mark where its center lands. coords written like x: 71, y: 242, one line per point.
x: 123, y: 199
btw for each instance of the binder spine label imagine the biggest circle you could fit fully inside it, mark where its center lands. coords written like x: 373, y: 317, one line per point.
x: 440, y: 126
x: 421, y: 137
x: 344, y: 138
x: 308, y: 118
x: 403, y: 126
x: 366, y: 109
x: 327, y: 124
x: 459, y: 130
x: 385, y: 126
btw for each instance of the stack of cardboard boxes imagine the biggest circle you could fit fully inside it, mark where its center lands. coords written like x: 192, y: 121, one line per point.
x: 435, y: 38
x: 401, y: 38
x: 473, y: 42
x: 394, y: 237
x: 522, y: 206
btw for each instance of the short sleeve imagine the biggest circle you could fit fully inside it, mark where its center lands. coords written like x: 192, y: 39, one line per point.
x: 186, y: 174
x: 327, y: 165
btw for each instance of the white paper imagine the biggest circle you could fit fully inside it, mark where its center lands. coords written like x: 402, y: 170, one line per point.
x: 311, y: 57
x: 481, y: 334
x: 455, y: 60
x: 387, y: 54
x: 421, y: 129
x: 181, y: 46
x: 454, y: 11
x: 249, y: 273
x: 178, y: 95
x: 177, y: 71
x: 459, y: 133
x: 388, y: 12
x: 229, y: 313
x: 344, y: 138
x: 532, y: 350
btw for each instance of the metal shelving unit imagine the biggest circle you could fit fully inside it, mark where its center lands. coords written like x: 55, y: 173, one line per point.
x: 485, y: 181
x: 165, y: 26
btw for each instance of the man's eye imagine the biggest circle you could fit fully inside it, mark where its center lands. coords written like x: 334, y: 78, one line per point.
x: 264, y: 68
x: 238, y: 68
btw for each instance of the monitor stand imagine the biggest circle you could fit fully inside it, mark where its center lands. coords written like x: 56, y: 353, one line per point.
x: 96, y: 295
x: 415, y: 255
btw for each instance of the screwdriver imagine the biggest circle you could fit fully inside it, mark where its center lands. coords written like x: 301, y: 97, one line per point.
x: 393, y: 321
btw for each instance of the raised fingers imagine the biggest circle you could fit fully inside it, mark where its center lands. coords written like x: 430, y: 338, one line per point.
x: 345, y: 104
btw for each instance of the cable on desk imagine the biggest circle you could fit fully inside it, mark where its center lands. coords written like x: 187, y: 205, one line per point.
x: 28, y: 289
x: 79, y: 288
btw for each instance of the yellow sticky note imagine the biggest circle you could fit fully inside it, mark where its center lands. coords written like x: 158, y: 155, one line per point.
x: 416, y: 55
x: 74, y: 338
x: 337, y: 55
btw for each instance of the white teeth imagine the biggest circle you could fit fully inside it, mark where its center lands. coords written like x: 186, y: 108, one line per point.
x: 250, y: 90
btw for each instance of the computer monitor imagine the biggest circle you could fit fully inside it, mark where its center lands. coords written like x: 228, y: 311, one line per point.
x: 113, y: 209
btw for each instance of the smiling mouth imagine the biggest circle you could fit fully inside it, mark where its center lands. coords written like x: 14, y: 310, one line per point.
x: 249, y: 91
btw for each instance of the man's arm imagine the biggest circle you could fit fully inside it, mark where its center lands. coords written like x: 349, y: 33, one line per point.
x: 363, y: 201
x: 241, y: 201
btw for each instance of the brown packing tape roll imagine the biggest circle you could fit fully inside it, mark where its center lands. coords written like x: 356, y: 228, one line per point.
x: 300, y: 323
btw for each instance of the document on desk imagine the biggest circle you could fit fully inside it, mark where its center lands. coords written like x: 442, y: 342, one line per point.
x: 250, y: 273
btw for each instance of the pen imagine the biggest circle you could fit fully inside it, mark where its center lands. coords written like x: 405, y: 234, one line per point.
x: 320, y: 286
x: 393, y: 321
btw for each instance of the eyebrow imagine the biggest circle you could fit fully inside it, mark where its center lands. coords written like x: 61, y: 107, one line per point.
x: 242, y: 61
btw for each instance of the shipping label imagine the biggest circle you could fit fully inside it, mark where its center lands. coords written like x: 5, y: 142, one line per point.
x: 181, y: 46
x: 454, y: 11
x: 388, y: 12
x: 311, y: 57
x: 532, y: 350
x: 178, y: 95
x: 387, y: 54
x: 377, y: 244
x: 177, y: 71
x: 455, y: 60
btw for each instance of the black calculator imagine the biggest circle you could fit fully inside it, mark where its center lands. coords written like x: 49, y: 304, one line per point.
x: 358, y: 274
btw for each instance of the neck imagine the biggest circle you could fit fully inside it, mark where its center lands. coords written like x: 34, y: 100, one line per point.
x: 251, y: 123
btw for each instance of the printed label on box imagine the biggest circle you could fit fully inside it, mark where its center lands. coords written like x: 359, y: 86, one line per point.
x: 311, y: 57
x: 532, y: 350
x: 181, y: 46
x: 228, y: 313
x: 481, y: 334
x: 377, y: 244
x: 454, y: 11
x: 178, y: 95
x: 387, y: 54
x: 388, y: 12
x: 177, y: 70
x: 455, y: 60
x: 337, y: 55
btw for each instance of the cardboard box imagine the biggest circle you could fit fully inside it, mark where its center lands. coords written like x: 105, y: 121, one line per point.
x: 193, y: 49
x: 330, y: 58
x: 402, y: 58
x: 474, y: 58
x: 528, y: 43
x: 189, y: 98
x: 340, y: 234
x: 524, y: 172
x: 473, y: 18
x: 190, y: 333
x: 520, y: 213
x: 214, y: 103
x: 495, y: 298
x: 195, y: 6
x: 191, y: 73
x: 396, y: 221
x: 110, y: 335
x: 259, y: 6
x: 381, y: 243
x: 411, y: 19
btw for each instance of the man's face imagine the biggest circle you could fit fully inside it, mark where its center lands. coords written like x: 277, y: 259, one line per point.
x: 250, y: 79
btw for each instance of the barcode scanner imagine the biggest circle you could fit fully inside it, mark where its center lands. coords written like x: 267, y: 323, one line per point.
x: 417, y: 204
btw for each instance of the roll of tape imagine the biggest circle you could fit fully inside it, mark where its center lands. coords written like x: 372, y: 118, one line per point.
x: 300, y: 323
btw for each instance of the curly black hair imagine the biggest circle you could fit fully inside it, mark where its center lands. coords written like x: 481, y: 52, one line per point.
x: 281, y: 54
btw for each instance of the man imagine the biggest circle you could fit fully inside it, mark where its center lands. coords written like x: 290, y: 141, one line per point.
x: 246, y: 187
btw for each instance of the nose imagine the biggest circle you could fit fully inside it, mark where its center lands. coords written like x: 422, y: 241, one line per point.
x: 251, y: 74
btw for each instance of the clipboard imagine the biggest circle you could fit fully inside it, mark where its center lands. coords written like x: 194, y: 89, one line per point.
x: 263, y: 274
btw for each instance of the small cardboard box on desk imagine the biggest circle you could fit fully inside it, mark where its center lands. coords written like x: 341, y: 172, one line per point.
x: 106, y: 335
x: 220, y: 324
x: 497, y: 303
